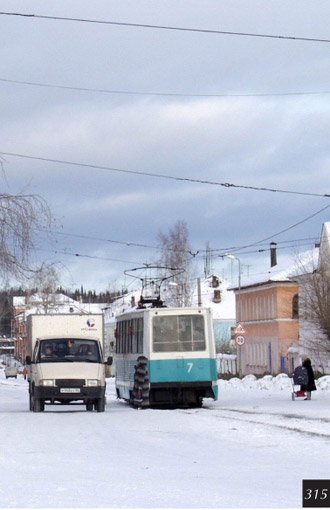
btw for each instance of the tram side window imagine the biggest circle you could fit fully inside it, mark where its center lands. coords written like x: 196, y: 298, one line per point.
x: 198, y: 334
x: 119, y: 338
x: 134, y: 336
x: 122, y: 337
x: 130, y: 333
x: 130, y: 336
x: 178, y: 333
x: 140, y: 335
x: 125, y: 337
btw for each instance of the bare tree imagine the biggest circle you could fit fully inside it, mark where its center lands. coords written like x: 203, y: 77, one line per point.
x: 314, y: 306
x: 46, y: 281
x: 21, y: 216
x: 176, y: 254
x: 315, y: 299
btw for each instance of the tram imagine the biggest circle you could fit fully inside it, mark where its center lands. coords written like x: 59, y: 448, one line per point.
x: 165, y: 356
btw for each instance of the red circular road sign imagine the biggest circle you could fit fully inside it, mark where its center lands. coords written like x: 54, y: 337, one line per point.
x: 240, y: 340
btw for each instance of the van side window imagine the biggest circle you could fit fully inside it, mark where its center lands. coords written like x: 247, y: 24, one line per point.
x: 35, y: 352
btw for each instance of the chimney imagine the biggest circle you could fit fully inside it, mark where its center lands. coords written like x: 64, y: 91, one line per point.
x: 273, y: 256
x: 215, y: 281
x: 132, y: 301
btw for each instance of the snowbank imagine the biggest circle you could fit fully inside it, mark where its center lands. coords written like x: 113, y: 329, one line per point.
x: 281, y: 382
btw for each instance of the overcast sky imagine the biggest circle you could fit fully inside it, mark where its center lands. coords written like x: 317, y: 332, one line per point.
x: 274, y: 135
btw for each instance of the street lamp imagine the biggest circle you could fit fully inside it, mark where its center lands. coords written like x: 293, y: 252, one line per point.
x: 233, y: 257
x: 239, y: 353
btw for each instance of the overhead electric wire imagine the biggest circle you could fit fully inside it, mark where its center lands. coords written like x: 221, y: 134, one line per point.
x: 314, y: 240
x: 167, y: 27
x: 235, y: 250
x: 93, y: 238
x: 162, y: 94
x: 82, y: 255
x: 262, y: 250
x: 163, y: 176
x: 102, y: 239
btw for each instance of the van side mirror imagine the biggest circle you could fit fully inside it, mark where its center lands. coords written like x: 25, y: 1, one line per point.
x: 28, y: 360
x: 109, y: 360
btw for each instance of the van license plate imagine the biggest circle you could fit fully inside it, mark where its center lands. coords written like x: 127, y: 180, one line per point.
x: 70, y: 390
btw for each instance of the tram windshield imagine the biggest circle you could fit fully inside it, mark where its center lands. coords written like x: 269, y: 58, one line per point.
x: 66, y: 350
x: 178, y: 333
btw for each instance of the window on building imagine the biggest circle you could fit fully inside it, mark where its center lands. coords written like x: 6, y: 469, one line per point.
x: 295, y: 306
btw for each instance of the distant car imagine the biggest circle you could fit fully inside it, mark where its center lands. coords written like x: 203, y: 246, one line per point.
x: 11, y: 372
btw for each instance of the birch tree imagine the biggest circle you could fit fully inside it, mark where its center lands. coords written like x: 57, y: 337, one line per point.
x: 46, y: 281
x: 315, y: 299
x: 314, y: 307
x: 176, y: 253
x: 21, y: 218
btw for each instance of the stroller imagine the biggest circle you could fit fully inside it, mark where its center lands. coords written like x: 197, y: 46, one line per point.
x: 300, y: 378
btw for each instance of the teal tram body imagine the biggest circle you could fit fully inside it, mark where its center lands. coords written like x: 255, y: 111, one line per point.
x: 166, y: 356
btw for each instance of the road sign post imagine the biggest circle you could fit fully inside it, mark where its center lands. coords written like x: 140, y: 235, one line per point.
x: 239, y: 332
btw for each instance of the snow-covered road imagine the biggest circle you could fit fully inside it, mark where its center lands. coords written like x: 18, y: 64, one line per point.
x: 251, y: 448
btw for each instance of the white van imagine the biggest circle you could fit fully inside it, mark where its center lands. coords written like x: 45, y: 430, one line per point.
x: 65, y: 361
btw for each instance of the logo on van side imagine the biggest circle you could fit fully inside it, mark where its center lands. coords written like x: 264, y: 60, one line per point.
x: 90, y: 323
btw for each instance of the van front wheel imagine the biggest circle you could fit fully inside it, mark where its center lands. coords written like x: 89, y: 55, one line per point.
x: 100, y: 405
x: 38, y: 405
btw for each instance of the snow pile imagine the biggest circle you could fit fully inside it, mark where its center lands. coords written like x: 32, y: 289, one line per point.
x: 281, y: 382
x: 323, y: 383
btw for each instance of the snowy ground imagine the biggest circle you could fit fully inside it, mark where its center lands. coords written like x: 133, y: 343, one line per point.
x: 252, y: 448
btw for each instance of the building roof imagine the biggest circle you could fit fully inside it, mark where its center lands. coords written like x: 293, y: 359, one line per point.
x: 58, y: 303
x: 300, y: 264
x: 283, y: 272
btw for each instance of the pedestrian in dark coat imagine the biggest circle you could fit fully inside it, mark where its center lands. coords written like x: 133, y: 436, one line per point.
x: 310, y: 386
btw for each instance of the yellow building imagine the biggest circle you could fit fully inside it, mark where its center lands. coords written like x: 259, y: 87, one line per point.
x: 269, y: 316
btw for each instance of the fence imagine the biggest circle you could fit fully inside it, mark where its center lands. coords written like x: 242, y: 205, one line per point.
x: 227, y: 364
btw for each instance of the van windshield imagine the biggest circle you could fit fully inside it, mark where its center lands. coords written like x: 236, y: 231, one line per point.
x: 65, y: 349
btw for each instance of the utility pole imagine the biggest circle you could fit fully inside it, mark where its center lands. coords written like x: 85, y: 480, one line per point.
x: 239, y: 315
x: 199, y: 292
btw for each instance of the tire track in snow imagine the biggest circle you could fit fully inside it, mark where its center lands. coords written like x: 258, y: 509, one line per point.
x: 240, y: 415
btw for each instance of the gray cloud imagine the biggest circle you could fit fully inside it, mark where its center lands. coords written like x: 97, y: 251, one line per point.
x: 276, y: 142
